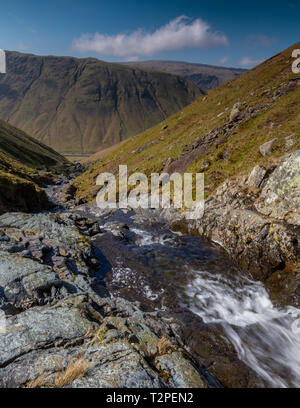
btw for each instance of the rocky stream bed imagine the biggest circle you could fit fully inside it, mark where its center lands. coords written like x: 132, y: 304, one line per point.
x: 140, y: 299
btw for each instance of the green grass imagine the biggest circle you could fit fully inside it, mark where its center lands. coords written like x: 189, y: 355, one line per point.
x: 148, y: 151
x: 19, y: 146
x: 21, y: 157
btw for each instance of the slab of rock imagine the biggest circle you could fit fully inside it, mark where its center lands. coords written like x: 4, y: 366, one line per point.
x: 280, y: 196
x: 256, y: 176
x: 67, y: 322
x: 57, y: 314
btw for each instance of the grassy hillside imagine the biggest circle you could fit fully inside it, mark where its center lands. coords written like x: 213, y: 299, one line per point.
x: 20, y: 158
x: 206, y: 77
x: 83, y: 105
x: 18, y: 145
x: 202, y: 137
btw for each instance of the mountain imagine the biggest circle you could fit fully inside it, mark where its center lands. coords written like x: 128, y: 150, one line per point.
x: 21, y: 160
x: 206, y: 77
x: 221, y: 133
x: 84, y: 105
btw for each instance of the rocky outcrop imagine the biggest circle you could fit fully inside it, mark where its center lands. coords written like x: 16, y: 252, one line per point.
x: 256, y: 218
x: 19, y: 194
x: 62, y: 329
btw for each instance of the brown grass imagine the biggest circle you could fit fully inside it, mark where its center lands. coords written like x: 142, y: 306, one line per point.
x: 164, y: 345
x: 38, y: 382
x: 75, y: 369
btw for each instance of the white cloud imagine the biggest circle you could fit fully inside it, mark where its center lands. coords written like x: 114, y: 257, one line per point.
x: 248, y: 62
x: 223, y: 60
x: 177, y: 34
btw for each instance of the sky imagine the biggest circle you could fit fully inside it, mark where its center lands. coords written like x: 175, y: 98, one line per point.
x: 218, y: 32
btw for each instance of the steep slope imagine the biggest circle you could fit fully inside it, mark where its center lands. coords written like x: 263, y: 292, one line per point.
x: 83, y: 105
x: 206, y: 77
x: 206, y: 137
x: 18, y: 145
x: 20, y: 158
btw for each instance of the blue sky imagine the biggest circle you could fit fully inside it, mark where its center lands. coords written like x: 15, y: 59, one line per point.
x: 229, y: 33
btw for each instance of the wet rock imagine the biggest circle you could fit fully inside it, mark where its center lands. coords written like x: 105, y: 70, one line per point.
x: 59, y: 314
x: 67, y: 193
x: 208, y: 345
x: 94, y: 230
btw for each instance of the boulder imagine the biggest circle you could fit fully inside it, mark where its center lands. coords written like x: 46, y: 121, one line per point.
x: 267, y: 147
x: 234, y: 114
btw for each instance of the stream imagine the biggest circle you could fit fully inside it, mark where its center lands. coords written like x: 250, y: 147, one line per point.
x: 142, y: 260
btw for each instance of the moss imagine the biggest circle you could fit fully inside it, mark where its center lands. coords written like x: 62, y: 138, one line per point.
x: 17, y: 193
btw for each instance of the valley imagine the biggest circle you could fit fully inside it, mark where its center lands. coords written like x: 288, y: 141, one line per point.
x: 79, y: 106
x: 147, y: 298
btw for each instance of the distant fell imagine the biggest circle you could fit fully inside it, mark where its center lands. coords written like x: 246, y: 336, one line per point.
x: 206, y: 77
x: 84, y: 105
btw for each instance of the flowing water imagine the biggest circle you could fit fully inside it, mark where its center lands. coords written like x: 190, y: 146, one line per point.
x: 165, y: 270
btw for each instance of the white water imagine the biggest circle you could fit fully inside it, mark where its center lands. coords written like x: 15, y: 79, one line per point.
x: 148, y: 238
x: 266, y: 338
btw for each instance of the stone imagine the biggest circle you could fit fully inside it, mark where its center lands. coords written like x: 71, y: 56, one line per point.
x: 267, y: 147
x: 280, y: 196
x: 178, y: 371
x: 289, y: 142
x: 259, y: 229
x: 234, y: 114
x: 58, y: 313
x: 66, y: 322
x: 256, y: 176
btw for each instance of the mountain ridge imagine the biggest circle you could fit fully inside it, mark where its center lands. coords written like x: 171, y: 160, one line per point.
x: 80, y: 105
x: 205, y: 76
